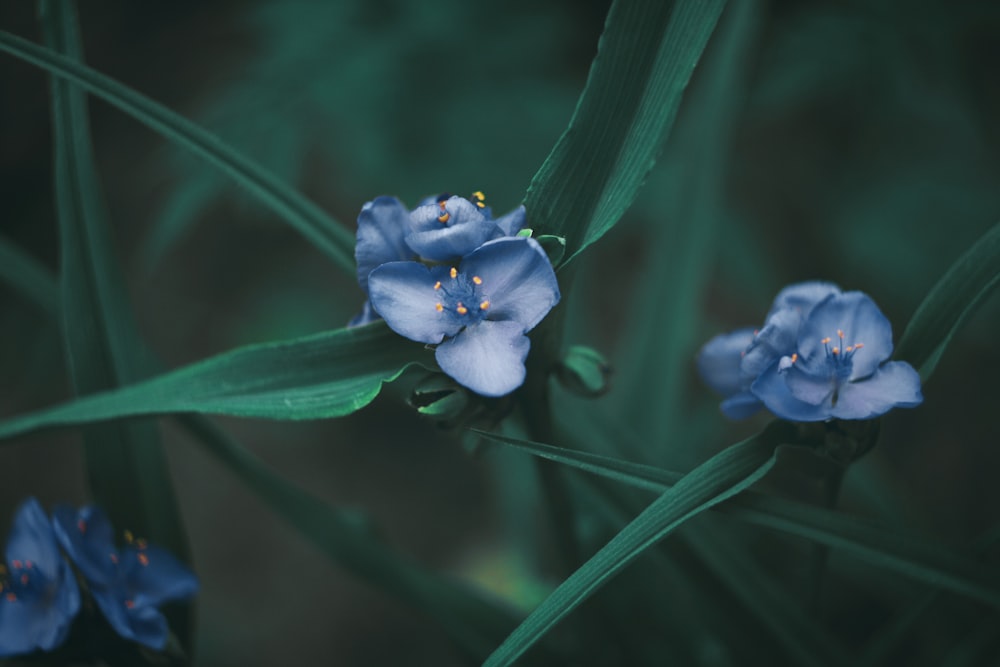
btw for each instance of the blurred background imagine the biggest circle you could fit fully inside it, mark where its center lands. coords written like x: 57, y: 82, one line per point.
x: 856, y: 142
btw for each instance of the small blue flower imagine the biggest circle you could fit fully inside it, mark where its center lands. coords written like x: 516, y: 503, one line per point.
x: 128, y: 585
x: 839, y: 368
x: 729, y: 363
x: 476, y: 313
x: 441, y: 229
x: 38, y: 595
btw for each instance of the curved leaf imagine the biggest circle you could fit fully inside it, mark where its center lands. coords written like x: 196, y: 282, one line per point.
x: 645, y: 58
x: 950, y: 302
x: 721, y: 477
x: 288, y: 204
x: 867, y: 540
x: 30, y: 278
x: 329, y: 374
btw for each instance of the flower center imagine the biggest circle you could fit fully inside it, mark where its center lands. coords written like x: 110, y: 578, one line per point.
x: 462, y: 295
x: 839, y: 358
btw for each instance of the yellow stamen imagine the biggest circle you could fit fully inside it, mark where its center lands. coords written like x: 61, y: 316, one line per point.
x: 480, y: 204
x: 444, y: 217
x: 129, y: 537
x: 840, y: 334
x: 478, y: 194
x: 462, y: 310
x: 825, y: 340
x: 437, y: 285
x: 144, y: 559
x: 795, y: 357
x: 453, y: 273
x: 484, y: 305
x: 438, y: 307
x: 477, y: 280
x: 835, y: 350
x: 858, y: 346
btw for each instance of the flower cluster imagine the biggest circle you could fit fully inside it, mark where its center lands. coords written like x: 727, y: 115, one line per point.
x: 39, y: 594
x: 821, y: 354
x: 451, y: 275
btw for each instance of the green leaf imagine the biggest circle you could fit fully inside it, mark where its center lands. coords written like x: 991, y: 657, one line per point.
x: 285, y: 202
x: 866, y: 540
x: 125, y: 463
x: 474, y: 623
x: 955, y: 297
x: 329, y: 374
x: 29, y: 278
x: 645, y: 58
x: 721, y: 477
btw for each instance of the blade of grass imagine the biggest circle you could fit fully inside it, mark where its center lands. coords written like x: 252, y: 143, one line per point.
x: 955, y: 297
x: 869, y: 541
x: 645, y: 58
x: 126, y: 464
x: 722, y: 476
x: 330, y: 374
x: 285, y: 202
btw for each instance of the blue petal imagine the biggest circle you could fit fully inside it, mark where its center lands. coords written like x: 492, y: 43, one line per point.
x: 802, y: 297
x: 776, y: 339
x: 773, y: 391
x: 487, y: 357
x: 141, y: 623
x: 812, y: 388
x: 87, y: 537
x: 741, y: 405
x: 154, y: 576
x: 894, y: 385
x: 518, y: 280
x: 40, y: 621
x: 382, y: 227
x: 511, y: 223
x: 719, y: 360
x: 466, y: 229
x: 403, y: 294
x: 31, y: 539
x: 859, y: 318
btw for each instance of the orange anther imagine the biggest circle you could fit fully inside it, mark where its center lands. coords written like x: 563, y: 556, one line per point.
x: 144, y: 559
x: 840, y: 333
x: 825, y: 340
x: 437, y: 285
x: 858, y: 346
x: 835, y: 350
x: 453, y: 273
x: 477, y: 280
x: 129, y: 604
x: 11, y: 597
x: 444, y: 217
x: 438, y: 307
x: 795, y: 357
x: 462, y: 310
x: 484, y: 305
x: 81, y: 525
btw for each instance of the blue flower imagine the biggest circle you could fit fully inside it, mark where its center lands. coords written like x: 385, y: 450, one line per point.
x: 476, y: 313
x: 839, y: 367
x: 440, y: 229
x: 38, y: 595
x: 128, y: 585
x: 729, y: 363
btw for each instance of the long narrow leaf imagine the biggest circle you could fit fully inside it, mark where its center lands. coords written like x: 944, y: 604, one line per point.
x: 956, y: 296
x: 125, y: 463
x: 330, y: 374
x: 288, y: 204
x: 722, y: 476
x: 645, y: 58
x: 869, y: 541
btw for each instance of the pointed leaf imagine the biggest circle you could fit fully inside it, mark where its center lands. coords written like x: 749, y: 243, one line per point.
x: 722, y: 476
x: 329, y: 374
x: 866, y: 540
x: 645, y: 58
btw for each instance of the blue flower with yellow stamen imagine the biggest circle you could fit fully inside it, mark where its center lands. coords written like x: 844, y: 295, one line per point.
x: 38, y: 594
x: 730, y: 363
x: 477, y: 313
x: 130, y: 584
x: 839, y: 368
